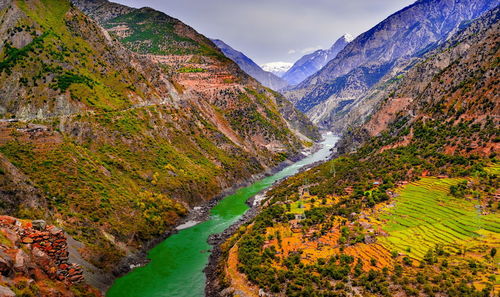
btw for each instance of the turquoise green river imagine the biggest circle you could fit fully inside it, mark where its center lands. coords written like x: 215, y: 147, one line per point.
x: 176, y: 265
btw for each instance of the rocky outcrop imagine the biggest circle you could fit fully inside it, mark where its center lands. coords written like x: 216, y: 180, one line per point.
x: 33, y: 251
x: 379, y: 55
x: 102, y: 10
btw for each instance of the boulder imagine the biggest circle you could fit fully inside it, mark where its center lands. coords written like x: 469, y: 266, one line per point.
x: 39, y: 224
x: 41, y: 258
x: 21, y: 261
x: 6, y: 264
x: 6, y: 292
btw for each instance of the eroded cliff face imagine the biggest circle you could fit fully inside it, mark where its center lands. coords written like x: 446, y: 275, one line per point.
x: 377, y: 56
x: 457, y: 84
x: 116, y: 146
x: 34, y: 261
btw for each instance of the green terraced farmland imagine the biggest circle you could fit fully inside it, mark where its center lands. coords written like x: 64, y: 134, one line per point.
x: 424, y: 215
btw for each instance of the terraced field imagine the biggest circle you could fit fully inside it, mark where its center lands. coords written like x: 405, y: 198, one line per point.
x: 425, y: 215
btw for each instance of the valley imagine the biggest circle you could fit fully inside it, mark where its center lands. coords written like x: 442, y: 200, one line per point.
x: 141, y: 158
x: 182, y: 257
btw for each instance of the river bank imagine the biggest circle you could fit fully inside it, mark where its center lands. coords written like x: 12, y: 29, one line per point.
x: 198, y: 214
x: 214, y: 268
x: 181, y: 258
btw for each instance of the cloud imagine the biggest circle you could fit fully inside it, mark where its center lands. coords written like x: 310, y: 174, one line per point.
x: 291, y: 52
x: 309, y: 50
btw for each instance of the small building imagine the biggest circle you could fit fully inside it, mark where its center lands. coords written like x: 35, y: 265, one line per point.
x: 300, y: 216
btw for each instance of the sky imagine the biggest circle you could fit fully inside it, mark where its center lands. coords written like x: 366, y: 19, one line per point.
x: 276, y: 30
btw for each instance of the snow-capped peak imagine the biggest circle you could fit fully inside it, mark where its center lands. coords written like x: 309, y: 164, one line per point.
x: 348, y: 37
x: 278, y: 68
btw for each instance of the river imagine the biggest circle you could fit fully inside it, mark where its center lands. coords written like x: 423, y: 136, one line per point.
x: 176, y: 266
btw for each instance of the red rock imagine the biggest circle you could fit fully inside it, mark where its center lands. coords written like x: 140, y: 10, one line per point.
x: 27, y: 240
x: 7, y: 220
x: 63, y: 266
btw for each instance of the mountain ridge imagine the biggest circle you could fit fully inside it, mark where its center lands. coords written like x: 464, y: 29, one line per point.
x: 312, y: 63
x: 327, y: 95
x: 266, y: 78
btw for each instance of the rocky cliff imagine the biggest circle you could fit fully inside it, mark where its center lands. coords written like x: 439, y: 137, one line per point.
x: 180, y: 49
x: 116, y: 141
x: 378, y: 55
x: 456, y: 83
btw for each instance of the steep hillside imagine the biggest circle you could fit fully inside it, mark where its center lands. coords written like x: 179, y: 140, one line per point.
x: 251, y: 68
x: 115, y: 147
x: 195, y: 61
x: 377, y: 55
x: 412, y: 212
x: 312, y: 63
x: 456, y: 83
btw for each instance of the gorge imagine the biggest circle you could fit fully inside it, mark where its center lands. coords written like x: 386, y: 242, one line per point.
x: 141, y: 158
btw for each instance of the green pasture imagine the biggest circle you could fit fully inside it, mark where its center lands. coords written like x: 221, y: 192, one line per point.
x: 298, y: 207
x: 425, y: 215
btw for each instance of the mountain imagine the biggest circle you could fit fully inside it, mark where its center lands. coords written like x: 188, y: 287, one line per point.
x: 277, y: 68
x: 312, y: 63
x: 114, y: 134
x: 267, y: 79
x: 406, y: 214
x: 377, y: 55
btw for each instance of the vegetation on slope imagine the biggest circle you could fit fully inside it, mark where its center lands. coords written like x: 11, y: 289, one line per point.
x: 152, y: 32
x: 414, y: 211
x: 113, y: 147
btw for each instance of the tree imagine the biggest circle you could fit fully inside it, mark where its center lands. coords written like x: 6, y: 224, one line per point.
x: 493, y: 252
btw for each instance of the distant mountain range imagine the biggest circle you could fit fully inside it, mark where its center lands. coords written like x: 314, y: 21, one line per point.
x: 266, y: 78
x: 340, y: 90
x: 312, y: 63
x: 278, y: 75
x: 277, y: 68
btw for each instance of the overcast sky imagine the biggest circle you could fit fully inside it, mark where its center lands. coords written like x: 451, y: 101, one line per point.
x: 276, y: 30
